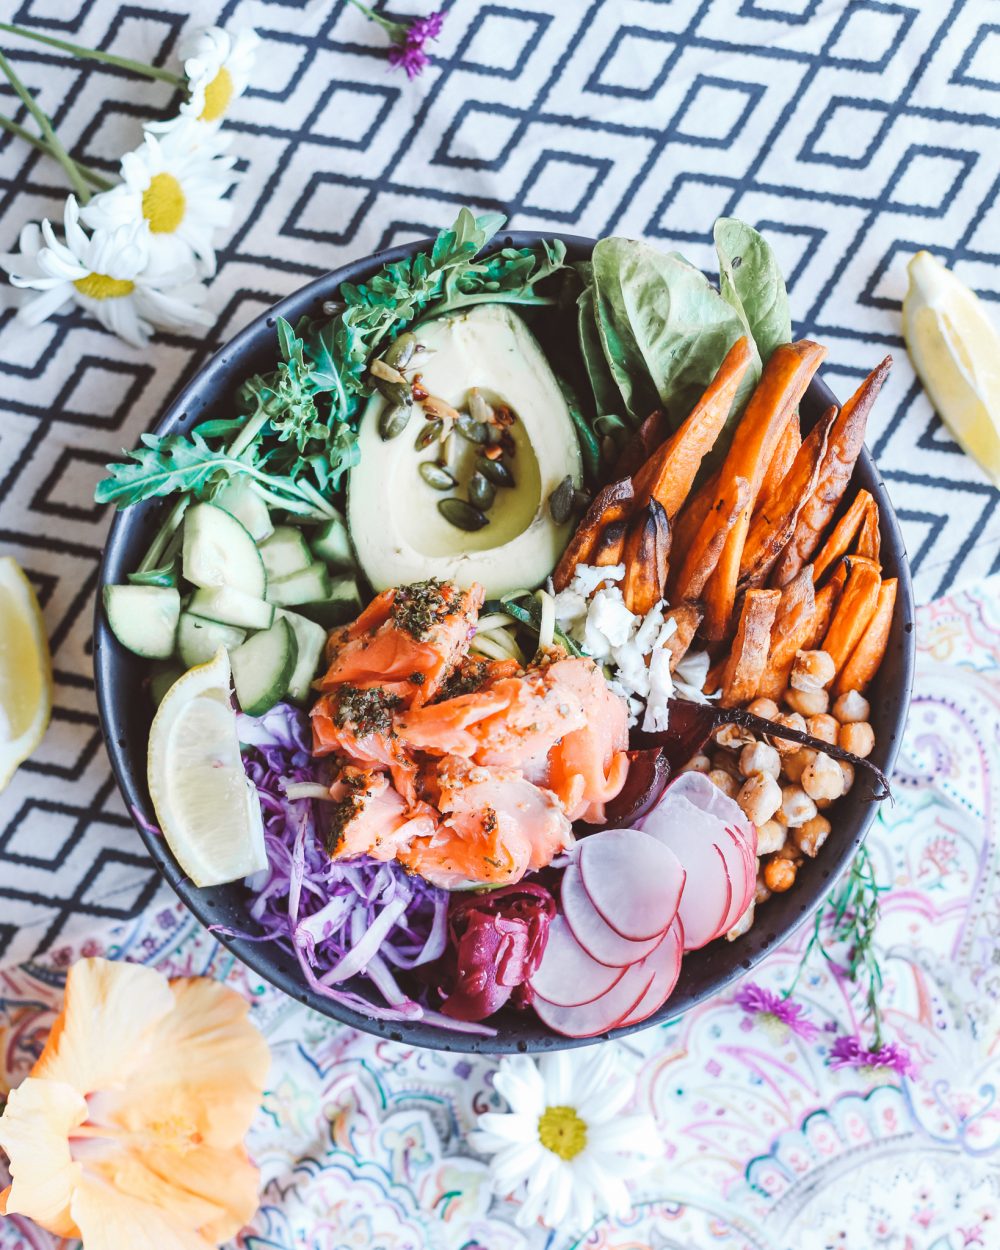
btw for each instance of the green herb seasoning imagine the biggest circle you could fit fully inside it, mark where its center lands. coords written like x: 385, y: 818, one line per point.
x: 419, y: 608
x: 367, y: 711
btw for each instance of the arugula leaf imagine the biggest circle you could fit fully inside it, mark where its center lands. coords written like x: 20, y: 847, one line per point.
x: 751, y: 282
x: 166, y: 575
x: 663, y: 328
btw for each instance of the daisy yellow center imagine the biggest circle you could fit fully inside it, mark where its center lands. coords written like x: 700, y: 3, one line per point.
x: 562, y: 1131
x: 101, y: 286
x: 218, y: 93
x: 163, y: 204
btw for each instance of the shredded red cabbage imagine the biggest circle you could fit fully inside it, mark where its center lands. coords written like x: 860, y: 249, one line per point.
x: 359, y: 918
x: 497, y: 942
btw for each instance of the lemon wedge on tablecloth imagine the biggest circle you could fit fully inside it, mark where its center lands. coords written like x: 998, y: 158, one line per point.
x: 25, y: 670
x: 955, y: 349
x: 206, y: 805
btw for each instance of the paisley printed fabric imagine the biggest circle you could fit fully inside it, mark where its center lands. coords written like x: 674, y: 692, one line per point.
x: 362, y: 1143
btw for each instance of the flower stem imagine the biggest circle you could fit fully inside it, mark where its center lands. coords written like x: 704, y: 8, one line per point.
x: 396, y: 29
x: 93, y: 177
x: 45, y: 126
x: 92, y: 54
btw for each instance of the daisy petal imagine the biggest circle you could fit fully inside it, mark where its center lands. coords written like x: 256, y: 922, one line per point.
x: 519, y: 1082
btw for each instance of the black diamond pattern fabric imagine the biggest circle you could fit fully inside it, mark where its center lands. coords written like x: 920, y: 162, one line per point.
x: 853, y: 133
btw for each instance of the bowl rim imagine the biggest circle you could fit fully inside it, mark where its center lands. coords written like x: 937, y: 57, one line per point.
x: 255, y: 954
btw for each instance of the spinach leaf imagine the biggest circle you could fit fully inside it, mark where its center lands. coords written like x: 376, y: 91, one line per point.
x: 750, y: 280
x: 664, y: 329
x: 607, y: 397
x: 590, y: 447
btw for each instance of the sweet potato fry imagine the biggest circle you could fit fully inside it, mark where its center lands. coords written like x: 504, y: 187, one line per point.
x: 688, y: 521
x: 784, y: 454
x: 793, y: 623
x: 827, y: 599
x: 842, y: 451
x: 866, y: 657
x: 667, y: 476
x: 647, y: 546
x: 773, y: 524
x: 853, y: 613
x: 612, y: 503
x: 869, y: 538
x: 748, y: 658
x: 839, y: 541
x: 610, y: 544
x: 687, y: 618
x: 783, y: 383
x: 703, y: 553
x: 641, y: 444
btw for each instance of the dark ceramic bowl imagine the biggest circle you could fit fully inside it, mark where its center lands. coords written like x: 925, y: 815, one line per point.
x: 126, y: 713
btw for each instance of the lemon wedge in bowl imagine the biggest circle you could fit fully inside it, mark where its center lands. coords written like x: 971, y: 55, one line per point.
x: 206, y: 805
x: 955, y: 349
x: 25, y: 670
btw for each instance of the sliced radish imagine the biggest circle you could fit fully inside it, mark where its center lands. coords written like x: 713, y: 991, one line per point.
x: 634, y: 881
x: 697, y: 789
x: 708, y: 892
x: 749, y: 868
x: 665, y: 963
x: 567, y: 975
x: 604, y: 1013
x: 593, y: 933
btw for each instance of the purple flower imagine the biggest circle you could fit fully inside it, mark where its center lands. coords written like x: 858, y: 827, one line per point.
x: 849, y: 1052
x: 424, y: 28
x: 411, y: 58
x: 755, y: 1000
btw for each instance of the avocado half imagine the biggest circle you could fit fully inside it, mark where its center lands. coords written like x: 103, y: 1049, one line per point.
x: 398, y: 532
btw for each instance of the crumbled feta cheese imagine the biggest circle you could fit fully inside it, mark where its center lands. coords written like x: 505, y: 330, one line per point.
x: 661, y: 687
x: 690, y: 675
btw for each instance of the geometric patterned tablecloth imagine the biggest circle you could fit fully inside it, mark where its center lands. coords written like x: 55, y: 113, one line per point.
x: 362, y: 1143
x: 852, y: 133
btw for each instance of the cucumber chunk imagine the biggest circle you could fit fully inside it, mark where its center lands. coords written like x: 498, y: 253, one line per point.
x: 218, y: 551
x: 342, y: 604
x: 232, y: 607
x: 144, y: 618
x: 311, y: 639
x: 303, y: 586
x: 332, y: 543
x: 198, y: 639
x: 285, y: 552
x: 240, y: 500
x: 162, y: 678
x: 263, y: 666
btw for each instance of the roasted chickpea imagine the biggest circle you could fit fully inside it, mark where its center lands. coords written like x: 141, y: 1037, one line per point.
x: 728, y: 762
x: 796, y: 806
x: 822, y: 779
x: 699, y: 763
x: 761, y: 892
x: 808, y: 702
x: 858, y: 737
x: 851, y: 706
x: 847, y: 768
x: 760, y: 757
x: 764, y: 707
x: 733, y: 736
x: 759, y: 797
x: 726, y: 783
x: 743, y: 924
x: 812, y: 670
x: 779, y: 875
x: 790, y: 720
x: 795, y: 764
x: 771, y: 837
x: 811, y: 836
x: 824, y: 727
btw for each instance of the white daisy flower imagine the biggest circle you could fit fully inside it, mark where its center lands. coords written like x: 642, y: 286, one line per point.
x: 564, y: 1148
x: 218, y: 65
x: 177, y: 189
x: 106, y: 274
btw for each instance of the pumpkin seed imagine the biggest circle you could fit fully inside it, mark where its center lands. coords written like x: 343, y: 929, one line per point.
x: 479, y: 409
x: 481, y: 492
x: 397, y: 393
x: 427, y: 433
x: 435, y: 407
x: 387, y: 373
x: 461, y: 514
x: 436, y: 475
x: 471, y: 429
x: 393, y: 421
x: 401, y: 351
x: 331, y: 307
x: 581, y: 500
x: 493, y: 435
x: 495, y: 471
x: 561, y: 501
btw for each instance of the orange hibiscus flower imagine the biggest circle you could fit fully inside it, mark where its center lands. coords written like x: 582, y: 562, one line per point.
x: 129, y: 1130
